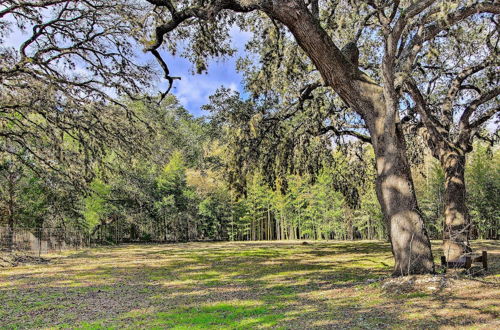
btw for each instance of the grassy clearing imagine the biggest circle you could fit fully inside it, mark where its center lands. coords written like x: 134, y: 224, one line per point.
x: 242, y: 285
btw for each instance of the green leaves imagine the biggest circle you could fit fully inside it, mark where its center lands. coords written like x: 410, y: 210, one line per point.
x: 96, y: 206
x: 483, y: 189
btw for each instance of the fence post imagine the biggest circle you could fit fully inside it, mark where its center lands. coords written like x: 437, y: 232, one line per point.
x: 40, y: 233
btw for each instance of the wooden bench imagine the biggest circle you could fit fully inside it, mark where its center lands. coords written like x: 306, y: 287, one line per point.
x: 466, y: 261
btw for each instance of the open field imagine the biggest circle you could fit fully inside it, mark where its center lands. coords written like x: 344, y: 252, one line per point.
x: 243, y: 285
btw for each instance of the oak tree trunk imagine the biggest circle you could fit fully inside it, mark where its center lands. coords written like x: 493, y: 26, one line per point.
x: 456, y: 216
x: 410, y: 243
x: 409, y: 240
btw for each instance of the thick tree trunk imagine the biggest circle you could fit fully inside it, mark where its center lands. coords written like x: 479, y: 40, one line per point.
x: 409, y: 240
x: 410, y: 243
x: 456, y: 216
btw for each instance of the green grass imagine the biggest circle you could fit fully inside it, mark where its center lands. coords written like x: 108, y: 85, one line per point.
x: 243, y: 285
x: 231, y: 315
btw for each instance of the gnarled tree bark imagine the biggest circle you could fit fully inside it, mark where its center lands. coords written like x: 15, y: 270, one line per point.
x: 456, y: 216
x: 450, y: 150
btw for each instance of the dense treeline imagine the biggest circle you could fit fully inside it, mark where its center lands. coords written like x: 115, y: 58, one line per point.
x: 177, y: 188
x: 317, y: 74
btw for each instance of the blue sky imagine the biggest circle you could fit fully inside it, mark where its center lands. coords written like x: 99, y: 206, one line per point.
x: 193, y: 91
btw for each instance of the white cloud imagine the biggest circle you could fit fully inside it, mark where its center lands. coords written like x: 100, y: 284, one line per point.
x: 193, y: 91
x: 233, y: 86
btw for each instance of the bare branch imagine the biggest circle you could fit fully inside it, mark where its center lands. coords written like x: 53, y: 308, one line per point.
x: 428, y: 32
x: 456, y: 86
x: 166, y: 72
x: 436, y: 129
x: 363, y: 25
x: 410, y: 12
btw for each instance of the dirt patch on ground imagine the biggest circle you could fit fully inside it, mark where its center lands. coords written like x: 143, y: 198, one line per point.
x: 453, y: 281
x: 12, y: 259
x: 422, y: 283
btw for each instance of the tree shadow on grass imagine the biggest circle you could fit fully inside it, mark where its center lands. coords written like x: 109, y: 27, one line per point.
x: 349, y: 247
x: 219, y: 286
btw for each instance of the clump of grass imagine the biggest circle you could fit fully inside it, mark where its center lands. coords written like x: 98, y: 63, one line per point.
x: 232, y: 314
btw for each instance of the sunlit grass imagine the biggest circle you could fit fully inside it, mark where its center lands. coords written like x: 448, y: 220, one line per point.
x: 238, y: 286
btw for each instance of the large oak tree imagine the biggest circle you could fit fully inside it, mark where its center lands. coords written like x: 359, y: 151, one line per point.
x: 455, y: 89
x: 406, y: 26
x: 94, y: 34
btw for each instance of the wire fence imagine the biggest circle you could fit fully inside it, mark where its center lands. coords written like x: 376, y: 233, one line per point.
x: 42, y: 240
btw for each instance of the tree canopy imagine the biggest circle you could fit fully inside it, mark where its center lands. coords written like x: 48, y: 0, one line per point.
x: 77, y: 104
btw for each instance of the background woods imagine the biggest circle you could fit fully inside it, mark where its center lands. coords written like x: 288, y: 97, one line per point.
x: 355, y: 119
x: 182, y: 191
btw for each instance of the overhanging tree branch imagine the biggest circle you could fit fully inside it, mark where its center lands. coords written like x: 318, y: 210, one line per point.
x: 337, y: 132
x: 207, y: 12
x: 486, y: 97
x: 427, y: 32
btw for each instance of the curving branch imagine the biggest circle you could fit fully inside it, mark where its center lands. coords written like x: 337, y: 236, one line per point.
x: 402, y: 22
x: 337, y: 132
x: 166, y: 72
x: 435, y: 127
x: 363, y: 25
x: 207, y: 12
x: 428, y: 32
x: 486, y: 97
x: 32, y: 4
x: 457, y: 85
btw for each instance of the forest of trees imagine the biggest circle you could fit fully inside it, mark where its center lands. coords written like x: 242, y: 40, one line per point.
x: 359, y: 119
x: 181, y: 191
